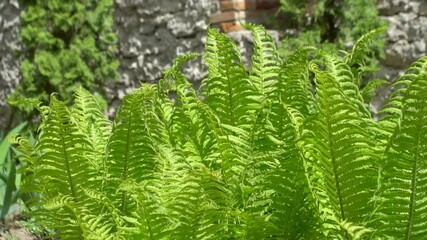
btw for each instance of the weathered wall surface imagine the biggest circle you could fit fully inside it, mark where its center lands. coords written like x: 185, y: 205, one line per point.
x: 153, y: 32
x: 9, y: 65
x: 406, y: 38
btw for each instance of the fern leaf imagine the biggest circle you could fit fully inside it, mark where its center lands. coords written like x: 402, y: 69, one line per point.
x: 342, y: 73
x: 266, y: 63
x: 339, y: 157
x: 295, y: 88
x: 131, y: 148
x: 368, y: 92
x: 356, y: 59
x: 403, y: 210
x: 62, y: 170
x: 392, y: 111
x: 87, y: 114
x: 228, y: 90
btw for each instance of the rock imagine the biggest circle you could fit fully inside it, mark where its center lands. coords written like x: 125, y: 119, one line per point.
x: 153, y: 32
x: 391, y: 7
x: 395, y: 33
x: 182, y: 25
x: 420, y: 48
x: 9, y: 64
x: 422, y: 8
x: 396, y: 54
x: 405, y: 36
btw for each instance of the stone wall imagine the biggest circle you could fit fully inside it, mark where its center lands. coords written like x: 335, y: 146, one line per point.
x: 406, y: 39
x: 234, y: 12
x: 153, y: 32
x: 406, y: 36
x: 9, y: 65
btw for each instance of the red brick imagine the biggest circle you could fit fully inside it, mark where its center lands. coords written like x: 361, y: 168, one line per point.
x: 222, y: 17
x: 256, y: 14
x: 244, y: 4
x: 226, y: 5
x: 267, y: 4
x: 231, y: 27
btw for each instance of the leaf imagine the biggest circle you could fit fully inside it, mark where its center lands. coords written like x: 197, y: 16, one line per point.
x: 5, y: 143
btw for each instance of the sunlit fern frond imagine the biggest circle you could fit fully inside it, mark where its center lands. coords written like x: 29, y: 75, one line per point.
x: 295, y: 87
x: 87, y: 114
x: 361, y: 50
x: 63, y: 170
x: 349, y: 84
x: 340, y: 162
x: 193, y: 118
x: 392, y: 111
x: 132, y: 146
x: 403, y: 212
x: 228, y: 89
x: 149, y: 218
x: 266, y: 63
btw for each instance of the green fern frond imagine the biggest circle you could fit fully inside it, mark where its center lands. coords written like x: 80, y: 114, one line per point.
x: 404, y: 200
x: 356, y: 59
x: 192, y: 119
x: 349, y: 84
x: 295, y: 88
x: 392, y: 111
x: 132, y: 146
x: 149, y: 219
x: 87, y: 114
x: 368, y: 92
x: 266, y: 63
x: 339, y: 160
x: 228, y: 89
x: 62, y: 170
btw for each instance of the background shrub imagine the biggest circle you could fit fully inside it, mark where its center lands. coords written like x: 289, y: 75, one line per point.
x: 331, y: 25
x: 67, y: 44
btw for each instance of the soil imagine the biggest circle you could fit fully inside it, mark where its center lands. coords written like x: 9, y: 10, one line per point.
x: 12, y: 228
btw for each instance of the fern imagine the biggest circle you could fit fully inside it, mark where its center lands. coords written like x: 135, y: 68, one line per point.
x: 263, y: 153
x: 403, y: 176
x: 339, y: 161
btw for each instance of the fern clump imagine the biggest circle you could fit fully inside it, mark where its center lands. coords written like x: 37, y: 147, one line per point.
x: 264, y: 153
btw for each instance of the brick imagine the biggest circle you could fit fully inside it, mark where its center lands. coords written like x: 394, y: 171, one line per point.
x: 226, y: 5
x: 222, y: 17
x: 267, y: 4
x: 231, y: 27
x: 255, y: 14
x: 244, y: 4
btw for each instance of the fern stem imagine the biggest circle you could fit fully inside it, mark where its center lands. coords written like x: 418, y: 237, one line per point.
x: 125, y: 165
x: 150, y: 231
x: 334, y: 164
x: 67, y: 165
x: 230, y: 101
x: 413, y: 184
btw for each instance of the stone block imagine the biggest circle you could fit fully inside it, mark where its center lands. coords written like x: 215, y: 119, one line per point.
x: 226, y: 5
x: 267, y: 4
x: 223, y: 17
x: 422, y: 8
x: 231, y: 26
x: 255, y: 16
x: 244, y: 4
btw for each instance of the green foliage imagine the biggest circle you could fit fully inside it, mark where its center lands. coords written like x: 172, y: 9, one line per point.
x: 259, y: 154
x: 67, y: 45
x: 10, y: 180
x: 332, y: 25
